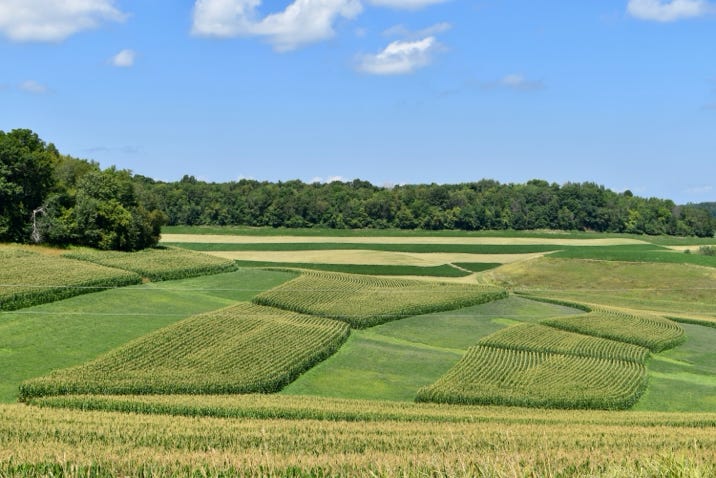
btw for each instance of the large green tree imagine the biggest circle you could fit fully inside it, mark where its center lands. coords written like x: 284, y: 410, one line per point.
x: 101, y: 209
x: 26, y: 178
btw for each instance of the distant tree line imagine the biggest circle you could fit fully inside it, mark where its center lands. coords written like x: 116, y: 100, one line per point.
x: 709, y: 206
x: 480, y: 205
x: 49, y: 197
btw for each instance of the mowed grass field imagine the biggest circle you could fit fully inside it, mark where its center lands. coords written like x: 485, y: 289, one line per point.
x: 353, y: 414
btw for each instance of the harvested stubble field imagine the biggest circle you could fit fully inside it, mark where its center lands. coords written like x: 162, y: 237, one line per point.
x: 553, y: 239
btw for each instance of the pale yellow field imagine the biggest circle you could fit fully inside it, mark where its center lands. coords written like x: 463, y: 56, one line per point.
x: 688, y: 248
x: 227, y: 239
x: 348, y: 256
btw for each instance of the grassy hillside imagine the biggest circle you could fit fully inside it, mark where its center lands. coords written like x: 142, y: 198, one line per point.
x: 293, y: 434
x: 673, y: 289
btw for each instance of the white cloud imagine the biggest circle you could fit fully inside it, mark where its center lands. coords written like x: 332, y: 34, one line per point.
x: 406, y: 4
x: 320, y: 180
x: 53, y: 20
x: 302, y: 22
x: 400, y: 57
x: 124, y: 59
x: 669, y: 11
x: 34, y: 87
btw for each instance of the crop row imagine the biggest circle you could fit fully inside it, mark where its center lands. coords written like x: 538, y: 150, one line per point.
x: 498, y: 376
x: 296, y: 407
x: 239, y: 349
x: 157, y: 264
x: 647, y: 330
x: 30, y: 278
x: 541, y: 338
x: 69, y: 443
x: 364, y: 301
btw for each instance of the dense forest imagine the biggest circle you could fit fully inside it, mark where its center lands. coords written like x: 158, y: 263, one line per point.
x: 484, y: 204
x: 49, y: 197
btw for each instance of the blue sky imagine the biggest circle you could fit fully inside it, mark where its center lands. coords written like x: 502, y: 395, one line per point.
x: 619, y: 92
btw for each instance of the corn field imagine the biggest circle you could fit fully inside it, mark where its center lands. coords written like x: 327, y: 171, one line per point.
x: 29, y: 278
x: 157, y: 264
x: 364, y: 301
x: 497, y: 376
x: 541, y: 338
x: 67, y: 443
x: 239, y: 349
x: 647, y: 330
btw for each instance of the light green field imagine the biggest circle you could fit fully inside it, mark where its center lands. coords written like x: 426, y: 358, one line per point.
x: 684, y: 378
x: 36, y: 340
x: 674, y: 289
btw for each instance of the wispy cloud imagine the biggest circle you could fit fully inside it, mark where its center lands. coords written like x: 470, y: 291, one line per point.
x: 406, y: 4
x: 124, y: 59
x: 400, y: 57
x: 699, y: 190
x: 403, y: 32
x: 669, y: 11
x: 301, y: 23
x: 52, y: 20
x: 130, y: 150
x: 33, y: 87
x: 330, y: 179
x: 515, y: 81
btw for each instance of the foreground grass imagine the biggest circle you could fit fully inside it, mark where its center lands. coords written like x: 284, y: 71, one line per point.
x: 489, y: 442
x: 37, y: 340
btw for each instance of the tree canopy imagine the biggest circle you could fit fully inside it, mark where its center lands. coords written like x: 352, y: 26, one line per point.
x: 484, y: 204
x: 79, y: 202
